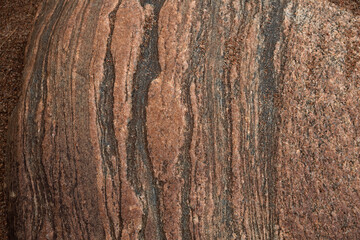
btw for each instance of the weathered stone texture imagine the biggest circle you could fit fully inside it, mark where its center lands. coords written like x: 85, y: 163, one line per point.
x: 16, y: 19
x: 188, y: 120
x: 318, y: 161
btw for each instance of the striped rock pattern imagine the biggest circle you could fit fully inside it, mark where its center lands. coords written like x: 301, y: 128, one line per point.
x: 167, y: 119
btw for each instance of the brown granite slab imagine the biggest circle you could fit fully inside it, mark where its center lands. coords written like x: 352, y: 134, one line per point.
x: 188, y: 120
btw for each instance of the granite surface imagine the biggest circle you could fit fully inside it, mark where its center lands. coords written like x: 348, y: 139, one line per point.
x: 188, y: 120
x: 16, y: 18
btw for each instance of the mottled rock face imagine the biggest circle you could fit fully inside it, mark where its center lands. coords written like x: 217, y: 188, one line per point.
x: 16, y: 18
x: 189, y: 120
x: 318, y: 162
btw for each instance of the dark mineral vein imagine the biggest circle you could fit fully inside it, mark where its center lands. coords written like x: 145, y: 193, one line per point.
x: 148, y: 68
x: 271, y: 30
x: 108, y: 141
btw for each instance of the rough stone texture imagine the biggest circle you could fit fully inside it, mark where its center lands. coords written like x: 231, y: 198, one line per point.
x: 16, y: 19
x: 188, y: 120
x: 319, y: 143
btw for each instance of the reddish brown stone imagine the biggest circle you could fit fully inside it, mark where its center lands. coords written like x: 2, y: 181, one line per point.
x: 16, y: 20
x: 188, y: 120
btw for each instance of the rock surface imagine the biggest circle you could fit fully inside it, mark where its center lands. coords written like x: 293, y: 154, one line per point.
x: 188, y: 120
x: 16, y: 20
